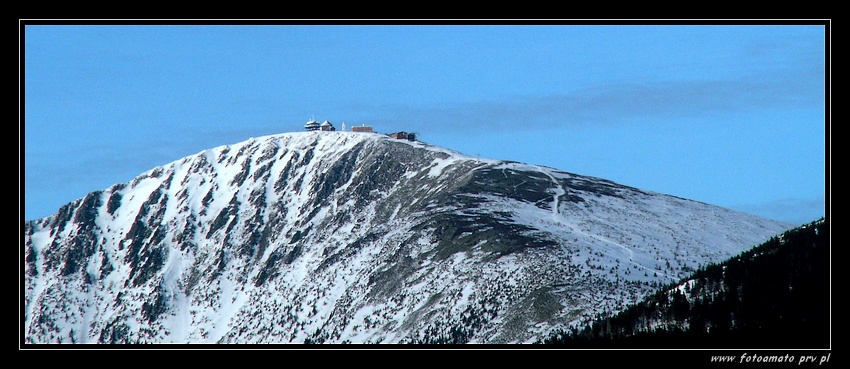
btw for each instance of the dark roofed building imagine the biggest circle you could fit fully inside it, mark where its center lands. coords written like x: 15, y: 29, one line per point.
x: 327, y: 126
x: 403, y: 136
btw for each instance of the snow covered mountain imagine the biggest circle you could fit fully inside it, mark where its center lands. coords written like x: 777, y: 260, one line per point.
x: 339, y: 237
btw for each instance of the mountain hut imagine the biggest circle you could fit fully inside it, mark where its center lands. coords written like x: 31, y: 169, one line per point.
x: 327, y: 126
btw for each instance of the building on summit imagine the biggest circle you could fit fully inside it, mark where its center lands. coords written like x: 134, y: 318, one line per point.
x: 363, y: 128
x: 312, y: 125
x: 327, y: 126
x: 410, y: 136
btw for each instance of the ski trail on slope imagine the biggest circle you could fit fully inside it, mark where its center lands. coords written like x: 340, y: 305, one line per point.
x: 556, y: 216
x: 605, y: 240
x: 624, y: 248
x: 556, y: 202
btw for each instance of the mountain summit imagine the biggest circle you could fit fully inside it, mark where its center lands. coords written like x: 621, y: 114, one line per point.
x: 336, y: 237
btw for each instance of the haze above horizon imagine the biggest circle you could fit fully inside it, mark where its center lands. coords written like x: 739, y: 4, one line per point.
x: 729, y: 115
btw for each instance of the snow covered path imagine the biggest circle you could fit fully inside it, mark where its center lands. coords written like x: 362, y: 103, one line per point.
x: 556, y: 202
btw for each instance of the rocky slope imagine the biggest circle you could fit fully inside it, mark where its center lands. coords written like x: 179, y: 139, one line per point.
x: 337, y: 237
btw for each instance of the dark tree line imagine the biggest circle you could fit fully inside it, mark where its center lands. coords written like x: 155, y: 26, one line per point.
x: 776, y: 295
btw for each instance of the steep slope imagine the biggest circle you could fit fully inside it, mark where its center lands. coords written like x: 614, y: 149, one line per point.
x: 357, y: 237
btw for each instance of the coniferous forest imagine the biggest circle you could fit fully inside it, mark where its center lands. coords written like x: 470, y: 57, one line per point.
x: 774, y: 296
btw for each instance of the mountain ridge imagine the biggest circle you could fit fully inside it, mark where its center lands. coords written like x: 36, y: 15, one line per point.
x: 357, y: 237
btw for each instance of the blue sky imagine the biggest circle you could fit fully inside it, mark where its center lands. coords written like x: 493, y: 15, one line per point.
x: 728, y: 115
